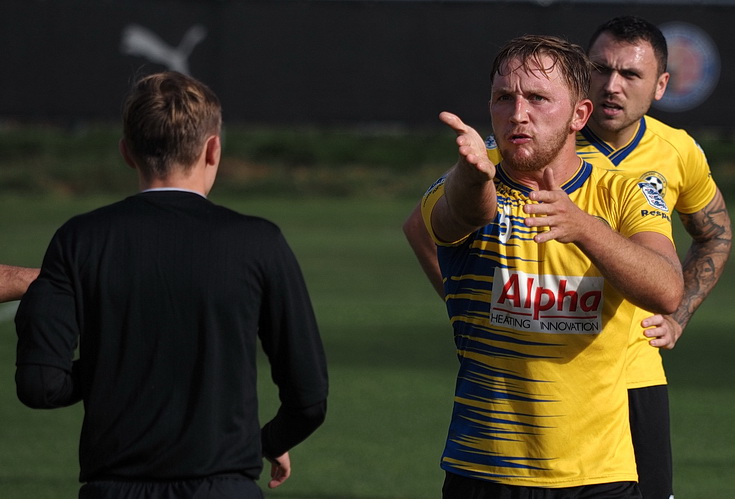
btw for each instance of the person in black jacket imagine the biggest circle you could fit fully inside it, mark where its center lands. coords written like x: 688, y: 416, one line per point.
x: 165, y: 295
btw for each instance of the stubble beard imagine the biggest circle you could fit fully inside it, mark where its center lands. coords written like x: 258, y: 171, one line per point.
x: 614, y: 125
x: 547, y: 151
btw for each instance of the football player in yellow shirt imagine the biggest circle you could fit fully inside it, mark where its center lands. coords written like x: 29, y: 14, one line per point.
x: 631, y: 55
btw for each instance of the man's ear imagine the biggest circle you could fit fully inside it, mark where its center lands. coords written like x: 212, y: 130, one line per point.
x: 213, y: 150
x: 125, y: 153
x: 661, y: 84
x: 582, y: 113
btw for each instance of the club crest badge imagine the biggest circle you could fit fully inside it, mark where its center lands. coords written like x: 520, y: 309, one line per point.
x: 653, y: 197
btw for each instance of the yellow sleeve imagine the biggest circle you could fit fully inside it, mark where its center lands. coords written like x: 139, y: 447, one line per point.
x: 643, y: 209
x: 699, y: 188
x: 432, y: 196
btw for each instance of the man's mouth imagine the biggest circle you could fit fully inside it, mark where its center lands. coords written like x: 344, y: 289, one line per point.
x: 519, y: 138
x: 611, y: 106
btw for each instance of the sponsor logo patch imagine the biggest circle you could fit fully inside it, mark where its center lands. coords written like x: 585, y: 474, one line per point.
x: 547, y: 303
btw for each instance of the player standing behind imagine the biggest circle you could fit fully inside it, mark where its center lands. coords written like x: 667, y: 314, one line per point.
x: 167, y: 295
x: 543, y: 256
x: 630, y: 56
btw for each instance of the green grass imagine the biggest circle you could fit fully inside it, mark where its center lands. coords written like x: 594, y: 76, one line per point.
x: 305, y: 162
x: 298, y: 162
x: 391, y: 362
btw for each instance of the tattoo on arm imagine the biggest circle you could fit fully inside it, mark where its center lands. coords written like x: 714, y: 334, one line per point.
x: 705, y: 260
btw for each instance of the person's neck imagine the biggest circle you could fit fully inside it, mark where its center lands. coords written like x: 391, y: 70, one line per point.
x: 185, y: 183
x: 614, y: 138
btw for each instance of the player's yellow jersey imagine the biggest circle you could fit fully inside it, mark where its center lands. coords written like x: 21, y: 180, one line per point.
x: 666, y: 157
x: 673, y: 162
x: 541, y: 336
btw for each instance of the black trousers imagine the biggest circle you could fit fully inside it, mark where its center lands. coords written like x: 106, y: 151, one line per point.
x: 460, y: 487
x: 216, y: 487
x: 650, y: 429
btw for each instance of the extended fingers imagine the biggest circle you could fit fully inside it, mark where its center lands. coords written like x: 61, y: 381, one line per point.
x: 453, y: 121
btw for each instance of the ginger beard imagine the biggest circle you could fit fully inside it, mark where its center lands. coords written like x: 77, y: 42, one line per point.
x: 535, y: 155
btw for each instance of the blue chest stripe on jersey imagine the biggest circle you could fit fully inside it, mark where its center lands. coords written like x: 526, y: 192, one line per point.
x: 596, y: 141
x: 579, y: 179
x: 505, y: 179
x: 615, y: 156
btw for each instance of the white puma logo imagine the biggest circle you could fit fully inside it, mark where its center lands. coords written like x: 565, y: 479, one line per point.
x: 137, y: 40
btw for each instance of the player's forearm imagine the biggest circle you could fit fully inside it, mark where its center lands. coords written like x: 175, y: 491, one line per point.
x: 702, y: 268
x: 705, y: 260
x: 644, y: 268
x: 424, y: 248
x: 290, y: 427
x: 14, y: 281
x: 46, y: 387
x: 467, y: 205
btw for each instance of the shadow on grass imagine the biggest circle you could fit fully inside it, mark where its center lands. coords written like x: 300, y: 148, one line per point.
x: 417, y: 348
x: 702, y: 357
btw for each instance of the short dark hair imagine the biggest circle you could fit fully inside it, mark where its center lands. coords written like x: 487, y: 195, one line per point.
x: 167, y: 117
x: 632, y: 29
x: 572, y: 62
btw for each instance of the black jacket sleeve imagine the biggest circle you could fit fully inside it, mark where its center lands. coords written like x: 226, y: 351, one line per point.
x: 291, y: 340
x: 290, y: 427
x: 45, y: 387
x: 48, y: 332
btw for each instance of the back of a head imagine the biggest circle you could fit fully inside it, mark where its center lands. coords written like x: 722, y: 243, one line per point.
x: 633, y: 29
x: 569, y: 59
x: 167, y: 117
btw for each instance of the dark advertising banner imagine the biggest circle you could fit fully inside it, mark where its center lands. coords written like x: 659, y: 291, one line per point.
x: 328, y: 62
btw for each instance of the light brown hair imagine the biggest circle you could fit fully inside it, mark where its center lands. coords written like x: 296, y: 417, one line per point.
x: 572, y: 62
x: 167, y: 117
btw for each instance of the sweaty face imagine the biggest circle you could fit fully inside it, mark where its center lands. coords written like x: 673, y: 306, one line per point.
x: 623, y: 87
x: 531, y: 113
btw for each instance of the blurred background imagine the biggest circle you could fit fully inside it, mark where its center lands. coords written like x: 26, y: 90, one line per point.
x: 330, y: 62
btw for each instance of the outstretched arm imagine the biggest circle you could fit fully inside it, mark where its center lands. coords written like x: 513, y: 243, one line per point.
x: 644, y: 267
x: 703, y: 265
x: 14, y: 281
x: 469, y: 200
